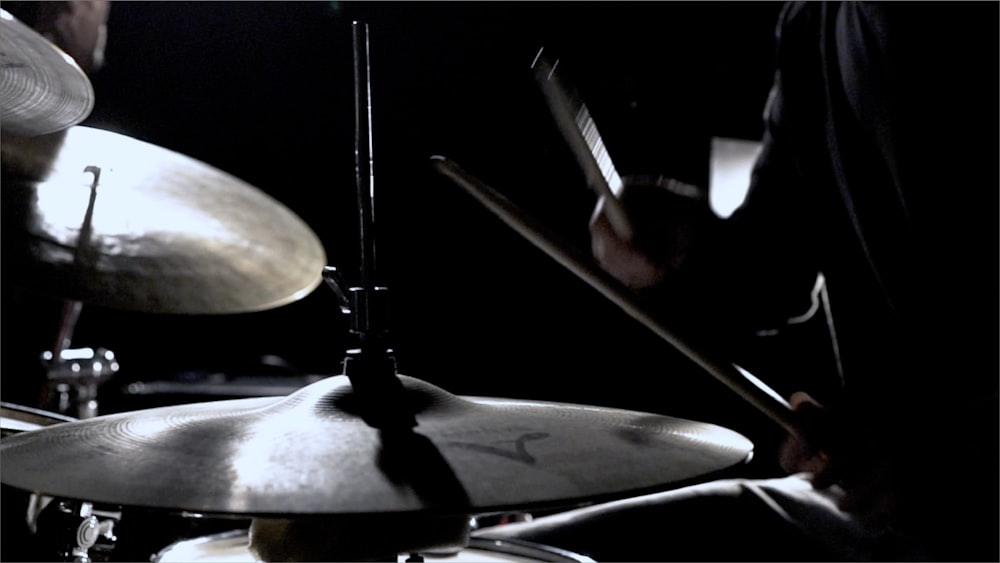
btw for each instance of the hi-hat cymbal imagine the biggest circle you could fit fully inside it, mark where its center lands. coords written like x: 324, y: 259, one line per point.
x: 160, y: 232
x: 42, y: 89
x: 309, y: 454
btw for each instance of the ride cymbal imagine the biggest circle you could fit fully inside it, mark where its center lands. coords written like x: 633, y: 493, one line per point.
x: 42, y: 89
x: 105, y: 219
x: 310, y: 454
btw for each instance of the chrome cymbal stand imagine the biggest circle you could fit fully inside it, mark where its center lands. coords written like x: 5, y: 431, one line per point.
x: 73, y: 530
x: 74, y: 374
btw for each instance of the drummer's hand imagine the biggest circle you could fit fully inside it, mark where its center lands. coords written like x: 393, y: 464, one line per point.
x: 665, y: 224
x: 861, y: 470
x: 622, y: 258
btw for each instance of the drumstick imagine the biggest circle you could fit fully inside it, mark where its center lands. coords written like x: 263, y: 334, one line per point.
x: 750, y: 388
x: 580, y: 132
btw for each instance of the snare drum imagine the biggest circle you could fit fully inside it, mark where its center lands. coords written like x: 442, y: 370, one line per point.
x: 234, y: 547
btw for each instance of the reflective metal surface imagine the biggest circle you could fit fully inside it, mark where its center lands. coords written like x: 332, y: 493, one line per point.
x: 42, y: 89
x: 105, y: 219
x: 311, y: 453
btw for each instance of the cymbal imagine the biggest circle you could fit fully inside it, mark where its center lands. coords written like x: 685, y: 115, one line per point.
x: 42, y: 89
x: 160, y: 233
x: 308, y: 453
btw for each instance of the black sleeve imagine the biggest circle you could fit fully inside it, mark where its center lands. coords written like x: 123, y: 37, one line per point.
x: 756, y: 268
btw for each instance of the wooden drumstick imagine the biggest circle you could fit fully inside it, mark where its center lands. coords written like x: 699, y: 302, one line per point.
x: 750, y: 388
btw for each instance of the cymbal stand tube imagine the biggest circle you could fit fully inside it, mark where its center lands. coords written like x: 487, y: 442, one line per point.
x: 74, y: 381
x: 363, y: 171
x: 70, y: 315
x: 371, y: 368
x: 72, y: 308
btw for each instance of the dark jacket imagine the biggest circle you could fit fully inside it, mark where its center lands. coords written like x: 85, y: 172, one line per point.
x: 880, y: 169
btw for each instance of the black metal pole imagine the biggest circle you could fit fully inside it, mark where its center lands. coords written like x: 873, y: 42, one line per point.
x: 371, y: 368
x: 363, y: 174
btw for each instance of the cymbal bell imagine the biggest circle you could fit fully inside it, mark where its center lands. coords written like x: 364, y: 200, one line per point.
x: 42, y: 89
x: 105, y: 219
x: 310, y: 454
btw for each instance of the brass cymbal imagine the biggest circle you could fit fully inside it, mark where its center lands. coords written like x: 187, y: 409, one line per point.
x: 147, y: 229
x: 42, y: 89
x: 309, y: 454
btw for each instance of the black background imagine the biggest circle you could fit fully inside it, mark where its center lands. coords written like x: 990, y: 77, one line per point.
x: 264, y: 91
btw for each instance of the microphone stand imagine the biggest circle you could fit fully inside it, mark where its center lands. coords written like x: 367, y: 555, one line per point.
x: 371, y: 367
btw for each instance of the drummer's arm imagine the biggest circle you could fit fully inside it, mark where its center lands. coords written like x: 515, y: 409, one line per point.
x: 732, y: 276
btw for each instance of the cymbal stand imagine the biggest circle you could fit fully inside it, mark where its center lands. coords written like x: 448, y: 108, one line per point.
x: 75, y: 374
x: 73, y: 530
x: 371, y: 367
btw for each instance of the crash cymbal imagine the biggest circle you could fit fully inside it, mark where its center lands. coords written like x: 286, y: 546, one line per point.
x: 160, y: 232
x: 309, y: 453
x: 42, y: 89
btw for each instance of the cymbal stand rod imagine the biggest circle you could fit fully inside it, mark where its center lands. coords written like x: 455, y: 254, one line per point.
x: 75, y: 374
x: 363, y: 165
x: 72, y: 308
x: 53, y: 360
x: 371, y: 368
x: 367, y: 321
x: 70, y: 315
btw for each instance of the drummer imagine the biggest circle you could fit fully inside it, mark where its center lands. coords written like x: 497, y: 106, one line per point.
x: 879, y: 169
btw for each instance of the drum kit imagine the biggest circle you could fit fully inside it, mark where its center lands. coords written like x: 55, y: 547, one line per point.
x: 365, y: 465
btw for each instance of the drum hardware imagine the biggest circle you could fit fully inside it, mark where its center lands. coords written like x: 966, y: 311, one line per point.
x: 73, y: 375
x: 72, y: 530
x: 371, y: 367
x: 75, y: 530
x: 74, y: 378
x: 217, y: 385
